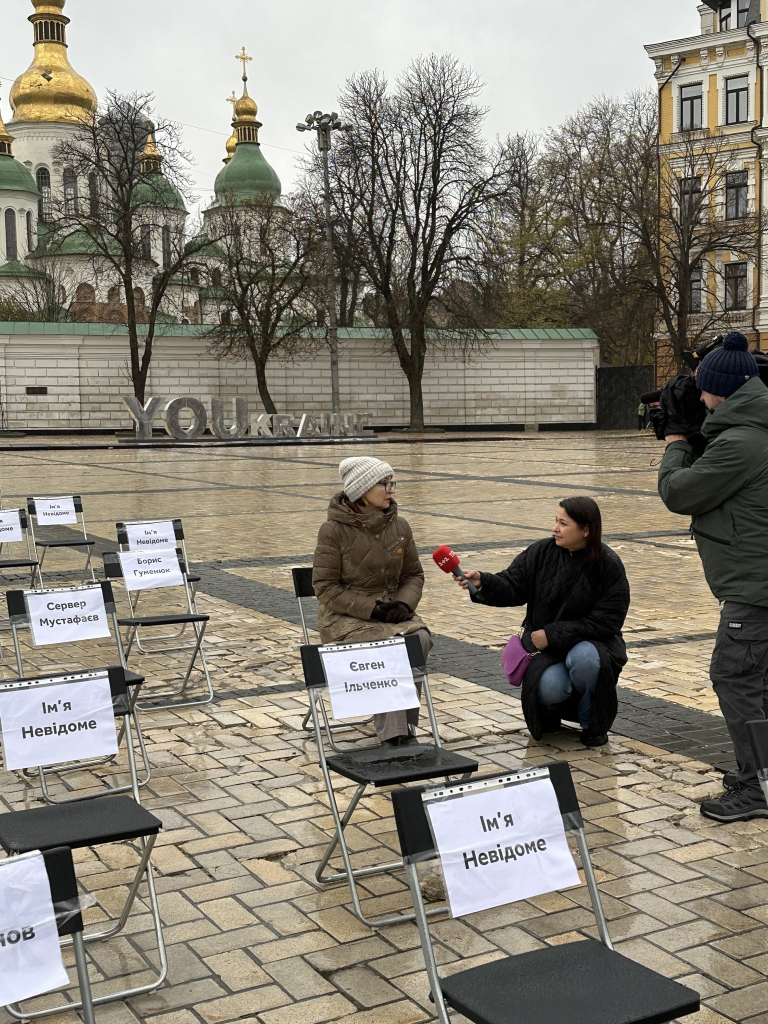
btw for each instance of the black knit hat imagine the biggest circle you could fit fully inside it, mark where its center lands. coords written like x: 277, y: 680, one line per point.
x: 725, y: 369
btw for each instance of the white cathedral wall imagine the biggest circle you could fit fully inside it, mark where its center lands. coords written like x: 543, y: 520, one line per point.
x: 540, y: 380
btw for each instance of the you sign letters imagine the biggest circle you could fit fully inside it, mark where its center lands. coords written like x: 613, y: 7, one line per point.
x: 369, y: 679
x: 49, y: 511
x: 501, y: 845
x: 50, y: 724
x: 30, y: 955
x: 150, y: 570
x: 65, y: 615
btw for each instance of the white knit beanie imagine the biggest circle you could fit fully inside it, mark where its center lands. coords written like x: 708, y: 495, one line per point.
x: 359, y: 474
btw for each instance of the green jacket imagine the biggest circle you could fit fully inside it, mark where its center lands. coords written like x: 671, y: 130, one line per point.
x: 726, y: 493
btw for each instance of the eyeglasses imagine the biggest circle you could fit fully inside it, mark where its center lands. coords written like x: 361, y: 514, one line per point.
x: 388, y: 485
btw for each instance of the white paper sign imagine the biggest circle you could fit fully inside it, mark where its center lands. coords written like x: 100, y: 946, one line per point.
x: 10, y: 527
x: 50, y: 724
x: 55, y: 510
x: 30, y: 954
x: 64, y: 615
x: 369, y: 679
x: 501, y: 845
x: 148, y: 570
x: 150, y: 536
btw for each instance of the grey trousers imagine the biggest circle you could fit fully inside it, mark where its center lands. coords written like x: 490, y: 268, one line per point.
x: 395, y: 723
x: 739, y: 673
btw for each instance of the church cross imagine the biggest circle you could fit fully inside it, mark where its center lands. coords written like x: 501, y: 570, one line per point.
x: 243, y: 56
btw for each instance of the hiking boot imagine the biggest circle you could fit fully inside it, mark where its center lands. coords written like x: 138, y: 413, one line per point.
x: 593, y: 739
x: 739, y: 804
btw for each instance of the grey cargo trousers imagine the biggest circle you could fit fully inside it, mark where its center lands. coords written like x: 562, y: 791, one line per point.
x: 739, y: 674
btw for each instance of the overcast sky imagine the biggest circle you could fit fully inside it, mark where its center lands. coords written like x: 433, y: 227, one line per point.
x: 540, y: 59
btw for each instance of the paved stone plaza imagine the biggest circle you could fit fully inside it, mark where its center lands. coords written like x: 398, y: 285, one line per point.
x: 250, y: 934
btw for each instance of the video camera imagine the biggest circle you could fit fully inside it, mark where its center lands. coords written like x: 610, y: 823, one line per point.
x: 677, y: 407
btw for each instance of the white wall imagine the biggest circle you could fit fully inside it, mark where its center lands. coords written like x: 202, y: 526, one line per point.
x: 543, y: 379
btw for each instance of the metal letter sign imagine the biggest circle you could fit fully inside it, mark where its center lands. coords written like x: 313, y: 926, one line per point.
x: 348, y: 424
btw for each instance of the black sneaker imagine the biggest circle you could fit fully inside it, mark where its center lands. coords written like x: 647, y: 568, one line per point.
x: 731, y: 780
x: 739, y: 804
x: 593, y: 739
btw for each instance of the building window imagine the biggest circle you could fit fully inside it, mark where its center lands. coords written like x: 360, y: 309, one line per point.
x: 43, y: 177
x: 735, y: 286
x: 85, y: 293
x: 694, y: 298
x: 11, y: 243
x: 70, y: 190
x: 146, y: 241
x: 30, y: 232
x: 194, y: 275
x: 743, y: 11
x: 216, y: 278
x: 736, y: 195
x: 690, y: 198
x: 93, y: 197
x: 166, y: 248
x: 725, y: 17
x: 690, y: 107
x: 737, y: 100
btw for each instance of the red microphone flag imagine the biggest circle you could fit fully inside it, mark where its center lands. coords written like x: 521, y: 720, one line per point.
x: 446, y: 559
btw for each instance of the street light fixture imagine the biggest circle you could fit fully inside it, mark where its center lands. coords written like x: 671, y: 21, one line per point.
x: 323, y: 125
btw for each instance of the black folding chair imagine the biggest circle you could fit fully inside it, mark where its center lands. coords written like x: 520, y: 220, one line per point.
x: 113, y: 819
x: 373, y: 766
x: 18, y: 614
x: 583, y: 982
x: 31, y: 562
x: 153, y: 644
x: 45, y: 541
x: 69, y: 921
x: 113, y: 571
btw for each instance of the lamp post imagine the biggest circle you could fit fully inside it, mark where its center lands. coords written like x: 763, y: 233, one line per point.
x: 323, y: 125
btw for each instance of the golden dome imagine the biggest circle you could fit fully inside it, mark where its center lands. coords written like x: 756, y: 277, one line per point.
x: 50, y: 89
x: 231, y: 146
x: 245, y: 108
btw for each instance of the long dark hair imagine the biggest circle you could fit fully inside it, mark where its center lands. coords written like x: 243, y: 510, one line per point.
x: 586, y: 512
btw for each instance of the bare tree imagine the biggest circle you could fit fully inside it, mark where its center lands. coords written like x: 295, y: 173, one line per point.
x: 127, y: 180
x: 266, y: 290
x: 411, y: 178
x: 38, y: 293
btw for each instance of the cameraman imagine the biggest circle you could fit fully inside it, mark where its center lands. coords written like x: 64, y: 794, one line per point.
x: 726, y: 493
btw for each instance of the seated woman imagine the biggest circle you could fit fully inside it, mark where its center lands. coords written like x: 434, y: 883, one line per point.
x: 367, y: 575
x: 577, y: 597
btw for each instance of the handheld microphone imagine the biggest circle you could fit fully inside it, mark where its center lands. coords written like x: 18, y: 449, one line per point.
x: 448, y: 561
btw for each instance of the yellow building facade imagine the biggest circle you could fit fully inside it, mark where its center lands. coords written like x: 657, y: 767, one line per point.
x: 713, y: 105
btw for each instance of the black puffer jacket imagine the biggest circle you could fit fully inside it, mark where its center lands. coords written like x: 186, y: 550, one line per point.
x: 543, y: 577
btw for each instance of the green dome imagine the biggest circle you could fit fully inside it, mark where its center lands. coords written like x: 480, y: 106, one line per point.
x: 157, y: 192
x: 247, y: 176
x: 14, y: 176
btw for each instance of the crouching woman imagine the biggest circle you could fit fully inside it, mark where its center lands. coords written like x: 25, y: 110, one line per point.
x: 577, y: 597
x: 367, y: 575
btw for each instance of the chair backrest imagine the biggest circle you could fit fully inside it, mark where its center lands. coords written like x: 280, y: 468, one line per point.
x: 63, y: 717
x: 64, y: 510
x: 498, y: 836
x: 62, y: 615
x: 302, y: 587
x: 365, y: 679
x: 151, y: 534
x: 66, y: 900
x: 15, y: 528
x: 155, y: 570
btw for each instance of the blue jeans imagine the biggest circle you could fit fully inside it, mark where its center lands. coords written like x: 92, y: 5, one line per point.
x: 578, y: 672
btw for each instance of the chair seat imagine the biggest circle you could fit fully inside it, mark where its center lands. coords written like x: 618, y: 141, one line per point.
x: 64, y: 543
x: 109, y: 819
x: 194, y: 579
x: 378, y: 767
x: 576, y: 983
x: 133, y: 678
x: 162, y: 620
x: 17, y: 563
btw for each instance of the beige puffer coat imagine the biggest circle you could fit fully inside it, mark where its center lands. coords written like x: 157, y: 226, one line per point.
x: 362, y: 558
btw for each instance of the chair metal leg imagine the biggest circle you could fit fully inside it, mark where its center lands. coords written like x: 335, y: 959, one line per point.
x: 180, y: 690
x: 86, y: 996
x: 420, y: 916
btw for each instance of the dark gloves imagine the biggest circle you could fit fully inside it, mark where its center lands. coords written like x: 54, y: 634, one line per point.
x: 680, y: 409
x: 391, y: 611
